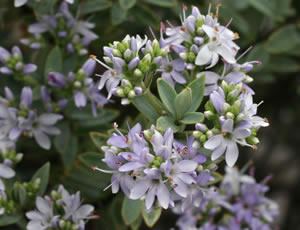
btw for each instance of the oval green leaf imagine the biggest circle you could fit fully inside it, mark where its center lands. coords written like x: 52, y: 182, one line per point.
x: 167, y: 94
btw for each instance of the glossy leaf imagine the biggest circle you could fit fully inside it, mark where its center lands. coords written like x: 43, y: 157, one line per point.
x: 66, y: 144
x: 118, y: 15
x: 43, y: 175
x: 92, y: 6
x: 192, y: 118
x: 264, y: 6
x: 167, y: 94
x: 164, y: 122
x: 127, y: 4
x: 152, y: 217
x: 99, y: 139
x: 8, y: 220
x: 283, y: 40
x: 162, y: 3
x: 131, y: 210
x: 54, y: 61
x: 149, y: 105
x: 197, y: 87
x: 137, y: 223
x: 183, y: 102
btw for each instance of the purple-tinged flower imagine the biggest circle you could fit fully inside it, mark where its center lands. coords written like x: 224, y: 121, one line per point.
x: 13, y: 62
x: 226, y: 142
x: 171, y: 71
x: 42, y: 218
x: 56, y: 79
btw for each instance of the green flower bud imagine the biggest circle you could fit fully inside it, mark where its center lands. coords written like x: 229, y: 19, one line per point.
x: 183, y: 56
x: 128, y: 55
x: 197, y: 134
x: 156, y: 48
x: 107, y: 60
x: 226, y: 107
x: 209, y: 134
x: 240, y: 117
x: 252, y: 140
x: 131, y: 94
x: 224, y: 86
x: 163, y: 52
x: 209, y: 115
x: 229, y: 115
x: 200, y: 31
x: 125, y: 101
x: 116, y: 53
x: 120, y: 92
x: 191, y: 57
x: 126, y: 90
x: 203, y: 138
x: 248, y: 79
x: 138, y: 73
x: 196, y: 144
x: 121, y: 47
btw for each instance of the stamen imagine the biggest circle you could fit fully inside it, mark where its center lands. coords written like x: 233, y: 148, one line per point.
x: 216, y: 28
x: 267, y: 179
x: 266, y: 120
x: 214, y: 39
x: 244, y: 90
x: 236, y: 35
x: 245, y: 168
x: 152, y: 33
x: 254, y: 147
x: 163, y: 27
x: 183, y: 29
x: 100, y: 62
x: 244, y: 53
x: 223, y: 132
x: 184, y: 150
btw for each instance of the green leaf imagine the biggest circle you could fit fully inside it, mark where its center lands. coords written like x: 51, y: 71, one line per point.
x: 127, y: 4
x: 99, y: 139
x: 282, y: 64
x: 131, y: 210
x: 82, y: 177
x: 192, y: 118
x: 259, y: 53
x: 8, y: 220
x: 183, y: 102
x: 167, y: 94
x: 42, y: 7
x: 148, y: 105
x: 152, y: 217
x: 115, y: 213
x: 104, y: 116
x: 162, y: 3
x: 66, y: 144
x: 92, y: 6
x: 197, y: 87
x: 164, y: 122
x: 266, y: 7
x: 54, y: 61
x: 118, y: 15
x: 137, y: 223
x: 284, y: 40
x: 43, y: 175
x: 145, y: 15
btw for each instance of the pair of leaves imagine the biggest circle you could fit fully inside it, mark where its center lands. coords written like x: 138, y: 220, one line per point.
x: 181, y: 107
x: 134, y: 211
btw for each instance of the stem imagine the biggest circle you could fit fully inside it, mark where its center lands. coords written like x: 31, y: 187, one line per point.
x: 154, y: 101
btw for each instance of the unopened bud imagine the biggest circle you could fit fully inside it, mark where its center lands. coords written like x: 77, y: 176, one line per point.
x: 125, y: 83
x: 191, y: 57
x: 203, y: 138
x: 229, y: 115
x: 209, y: 115
x: 104, y: 148
x: 225, y: 107
x: 138, y: 73
x: 252, y: 140
x: 114, y: 149
x: 125, y: 101
x: 183, y: 56
x: 248, y: 79
x: 116, y: 53
x: 131, y: 94
x: 197, y: 134
x: 120, y: 92
x: 201, y: 127
x: 77, y: 84
x: 196, y: 145
x: 209, y: 134
x: 138, y: 90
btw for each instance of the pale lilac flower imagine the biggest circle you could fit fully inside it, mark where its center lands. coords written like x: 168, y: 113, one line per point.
x: 42, y: 218
x: 227, y: 141
x: 6, y: 172
x: 13, y: 62
x: 171, y: 71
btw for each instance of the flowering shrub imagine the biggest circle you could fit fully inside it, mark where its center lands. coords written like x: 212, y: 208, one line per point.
x: 194, y: 108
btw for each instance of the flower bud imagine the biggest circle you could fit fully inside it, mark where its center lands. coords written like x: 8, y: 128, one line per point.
x: 163, y: 52
x: 240, y: 117
x: 183, y: 56
x: 198, y: 40
x: 200, y: 31
x: 62, y: 223
x: 138, y: 73
x: 133, y: 63
x: 138, y: 90
x: 209, y: 115
x: 107, y: 60
x: 225, y: 107
x: 224, y: 86
x: 191, y: 57
x: 197, y: 134
x: 125, y: 83
x: 77, y: 84
x: 252, y: 140
x: 120, y: 92
x: 156, y: 47
x: 114, y: 149
x: 125, y: 101
x: 248, y: 79
x: 201, y: 127
x: 209, y: 134
x: 229, y: 115
x: 121, y: 47
x: 203, y: 138
x: 131, y: 94
x: 104, y: 148
x: 196, y: 145
x: 116, y: 53
x: 127, y: 55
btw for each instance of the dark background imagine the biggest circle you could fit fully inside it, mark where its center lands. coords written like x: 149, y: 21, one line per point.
x: 277, y: 80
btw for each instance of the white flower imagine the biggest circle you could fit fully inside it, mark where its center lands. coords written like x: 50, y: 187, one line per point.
x: 220, y: 44
x: 234, y: 177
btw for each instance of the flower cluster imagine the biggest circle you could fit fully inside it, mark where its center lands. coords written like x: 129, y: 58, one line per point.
x: 79, y: 86
x: 154, y: 165
x: 13, y: 63
x: 240, y: 203
x: 200, y: 40
x: 233, y: 114
x: 132, y: 59
x: 61, y: 210
x: 70, y: 33
x: 17, y: 119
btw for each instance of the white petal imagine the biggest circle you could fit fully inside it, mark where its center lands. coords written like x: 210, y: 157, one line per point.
x: 213, y: 142
x: 163, y: 196
x: 19, y: 3
x: 43, y: 205
x: 241, y: 133
x: 227, y: 54
x: 42, y: 139
x: 218, y: 152
x: 139, y: 190
x: 150, y: 198
x: 204, y: 56
x: 232, y: 153
x: 228, y: 125
x: 6, y: 172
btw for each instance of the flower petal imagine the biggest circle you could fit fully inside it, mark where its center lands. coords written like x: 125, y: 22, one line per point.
x: 213, y: 142
x: 139, y: 189
x: 232, y: 153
